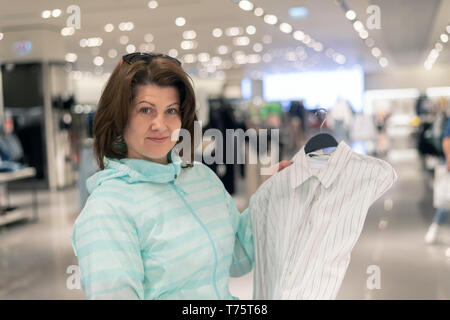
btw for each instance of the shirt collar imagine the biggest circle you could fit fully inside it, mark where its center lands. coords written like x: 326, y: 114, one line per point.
x: 326, y: 175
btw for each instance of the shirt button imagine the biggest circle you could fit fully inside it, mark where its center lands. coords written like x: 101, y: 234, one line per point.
x: 316, y: 197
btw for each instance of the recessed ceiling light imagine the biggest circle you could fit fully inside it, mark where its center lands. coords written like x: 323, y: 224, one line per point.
x: 270, y: 19
x: 246, y: 5
x: 188, y: 45
x: 358, y: 25
x: 383, y: 62
x: 340, y: 59
x: 67, y: 31
x: 222, y: 49
x: 148, y: 37
x: 257, y: 47
x: 56, y: 13
x: 130, y: 48
x: 233, y: 31
x: 1, y: 36
x: 190, y: 58
x: 109, y: 27
x: 217, y: 61
x: 376, y: 52
x: 147, y: 47
x: 241, y: 41
x: 46, y: 14
x: 350, y: 15
x: 299, y: 35
x: 217, y: 32
x: 189, y: 35
x: 71, y: 57
x: 258, y: 12
x: 250, y: 30
x: 254, y: 58
x: 112, y: 53
x: 153, y: 4
x: 363, y: 34
x: 317, y: 46
x: 285, y: 27
x: 180, y: 21
x: 203, y: 57
x: 444, y: 38
x: 173, y: 53
x: 98, y: 61
x: 126, y: 26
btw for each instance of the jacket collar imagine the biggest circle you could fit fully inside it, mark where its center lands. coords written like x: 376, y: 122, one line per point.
x: 144, y: 170
x: 327, y: 174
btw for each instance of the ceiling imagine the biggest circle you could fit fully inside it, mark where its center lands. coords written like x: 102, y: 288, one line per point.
x: 409, y: 30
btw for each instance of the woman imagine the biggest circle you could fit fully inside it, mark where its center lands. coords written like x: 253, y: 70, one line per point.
x: 154, y: 227
x: 441, y: 214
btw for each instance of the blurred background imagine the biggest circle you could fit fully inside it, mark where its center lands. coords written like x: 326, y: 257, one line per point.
x: 381, y: 69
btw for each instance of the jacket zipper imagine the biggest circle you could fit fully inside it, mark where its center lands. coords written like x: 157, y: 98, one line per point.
x: 175, y: 187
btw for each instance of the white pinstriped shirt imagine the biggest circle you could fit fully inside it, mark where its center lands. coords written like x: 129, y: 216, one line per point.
x: 307, y: 218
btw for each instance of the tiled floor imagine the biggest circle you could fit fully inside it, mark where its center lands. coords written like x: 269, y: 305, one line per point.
x: 35, y: 257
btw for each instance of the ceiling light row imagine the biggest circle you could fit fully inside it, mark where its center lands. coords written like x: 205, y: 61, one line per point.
x: 286, y: 28
x: 233, y: 31
x: 91, y: 42
x: 153, y: 4
x: 55, y: 13
x: 358, y: 26
x: 438, y: 47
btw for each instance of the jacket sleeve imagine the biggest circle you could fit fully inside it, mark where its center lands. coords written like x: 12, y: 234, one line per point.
x: 244, y: 252
x: 106, y: 244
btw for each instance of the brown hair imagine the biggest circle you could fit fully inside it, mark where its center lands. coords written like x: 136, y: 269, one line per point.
x: 115, y: 103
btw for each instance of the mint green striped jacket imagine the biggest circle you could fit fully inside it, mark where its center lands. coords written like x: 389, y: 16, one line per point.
x: 154, y: 231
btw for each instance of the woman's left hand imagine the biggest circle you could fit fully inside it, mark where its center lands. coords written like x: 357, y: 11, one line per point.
x: 278, y: 167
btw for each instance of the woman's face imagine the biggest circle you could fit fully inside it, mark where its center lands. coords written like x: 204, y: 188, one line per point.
x: 155, y: 114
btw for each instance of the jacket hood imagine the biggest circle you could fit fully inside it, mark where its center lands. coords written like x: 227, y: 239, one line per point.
x: 135, y: 170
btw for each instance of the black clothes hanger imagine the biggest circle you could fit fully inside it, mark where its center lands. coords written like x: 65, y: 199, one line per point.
x: 321, y: 140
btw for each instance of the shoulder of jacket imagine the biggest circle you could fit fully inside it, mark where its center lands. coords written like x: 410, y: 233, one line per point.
x: 203, y: 169
x: 114, y: 191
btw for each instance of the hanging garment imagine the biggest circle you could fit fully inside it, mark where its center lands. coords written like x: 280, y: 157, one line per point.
x: 307, y: 218
x: 150, y: 231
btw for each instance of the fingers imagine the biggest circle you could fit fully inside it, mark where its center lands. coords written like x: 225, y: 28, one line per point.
x: 284, y: 164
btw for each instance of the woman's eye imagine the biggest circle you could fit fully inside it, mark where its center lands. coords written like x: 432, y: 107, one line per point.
x: 145, y: 110
x: 172, y: 111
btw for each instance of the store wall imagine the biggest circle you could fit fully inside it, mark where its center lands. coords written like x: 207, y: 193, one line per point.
x: 412, y: 77
x: 32, y: 43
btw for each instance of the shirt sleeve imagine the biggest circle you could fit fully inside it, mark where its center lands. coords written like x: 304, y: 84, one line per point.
x: 384, y: 179
x: 106, y: 244
x: 243, y: 252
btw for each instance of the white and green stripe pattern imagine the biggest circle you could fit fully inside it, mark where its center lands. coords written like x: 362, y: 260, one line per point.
x: 153, y: 231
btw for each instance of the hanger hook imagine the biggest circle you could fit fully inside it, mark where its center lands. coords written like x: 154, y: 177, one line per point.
x: 325, y: 118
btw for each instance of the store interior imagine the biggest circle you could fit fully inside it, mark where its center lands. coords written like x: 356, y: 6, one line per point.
x: 375, y: 74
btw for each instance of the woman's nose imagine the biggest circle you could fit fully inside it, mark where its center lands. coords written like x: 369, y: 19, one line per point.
x: 158, y: 123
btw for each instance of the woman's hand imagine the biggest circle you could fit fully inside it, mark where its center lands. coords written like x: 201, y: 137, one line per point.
x: 278, y: 167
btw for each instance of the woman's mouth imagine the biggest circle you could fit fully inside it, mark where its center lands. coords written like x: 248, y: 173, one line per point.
x: 159, y: 140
